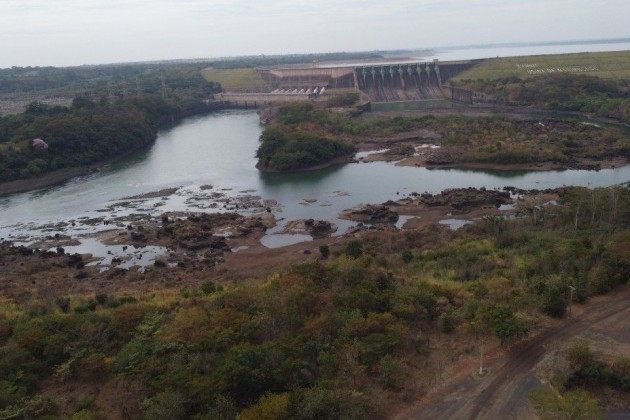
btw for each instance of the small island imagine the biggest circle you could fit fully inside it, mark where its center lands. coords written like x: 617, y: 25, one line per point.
x: 289, y: 145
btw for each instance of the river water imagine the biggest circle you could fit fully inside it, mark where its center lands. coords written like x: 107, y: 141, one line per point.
x: 219, y: 149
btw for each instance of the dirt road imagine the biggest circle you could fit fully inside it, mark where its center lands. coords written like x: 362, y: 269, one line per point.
x: 503, y: 393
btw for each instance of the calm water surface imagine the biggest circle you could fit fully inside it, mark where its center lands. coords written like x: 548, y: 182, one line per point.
x: 219, y: 149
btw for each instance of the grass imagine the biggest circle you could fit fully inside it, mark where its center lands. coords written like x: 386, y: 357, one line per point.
x: 607, y: 65
x: 236, y: 79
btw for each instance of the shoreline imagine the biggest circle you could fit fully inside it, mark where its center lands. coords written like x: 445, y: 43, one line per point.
x: 51, y: 179
x: 529, y: 167
x: 342, y: 160
x: 61, y: 176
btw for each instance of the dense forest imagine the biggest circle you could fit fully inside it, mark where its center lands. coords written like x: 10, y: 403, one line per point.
x: 336, y: 337
x: 105, y: 79
x: 117, y: 110
x: 287, y: 146
x: 87, y: 132
x: 564, y: 92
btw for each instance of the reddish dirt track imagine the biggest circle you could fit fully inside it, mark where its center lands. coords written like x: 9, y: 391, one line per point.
x: 503, y: 393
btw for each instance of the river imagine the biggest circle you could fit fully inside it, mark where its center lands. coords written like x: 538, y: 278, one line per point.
x: 219, y: 150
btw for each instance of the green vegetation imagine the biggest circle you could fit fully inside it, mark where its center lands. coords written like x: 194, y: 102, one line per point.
x: 577, y: 385
x: 277, y: 60
x: 607, y: 65
x: 118, y: 79
x: 85, y: 133
x: 493, y: 140
x: 236, y: 80
x: 286, y: 145
x: 561, y: 92
x: 325, y: 339
x: 343, y: 99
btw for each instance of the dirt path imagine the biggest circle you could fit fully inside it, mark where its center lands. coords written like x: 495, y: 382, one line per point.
x: 504, y: 391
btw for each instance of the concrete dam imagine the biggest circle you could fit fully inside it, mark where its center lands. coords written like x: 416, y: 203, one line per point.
x: 389, y: 82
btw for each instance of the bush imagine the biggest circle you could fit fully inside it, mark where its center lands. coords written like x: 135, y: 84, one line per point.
x: 63, y: 303
x: 503, y: 324
x: 554, y: 302
x: 407, y: 256
x: 208, y: 287
x: 446, y: 322
x: 268, y: 407
x: 577, y: 404
x: 324, y: 251
x: 354, y: 248
x: 164, y: 405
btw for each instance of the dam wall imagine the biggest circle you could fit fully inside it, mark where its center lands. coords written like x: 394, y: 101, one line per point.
x: 387, y: 82
x: 408, y: 81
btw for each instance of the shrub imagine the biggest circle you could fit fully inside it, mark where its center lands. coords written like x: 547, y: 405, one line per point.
x: 554, y: 302
x: 164, y: 405
x: 63, y: 303
x: 324, y: 250
x: 503, y: 323
x: 446, y: 322
x: 268, y: 407
x: 407, y: 256
x: 208, y: 287
x: 354, y: 248
x: 577, y: 404
x: 390, y: 372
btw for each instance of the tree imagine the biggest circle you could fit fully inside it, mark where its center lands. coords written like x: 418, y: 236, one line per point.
x: 324, y: 250
x: 503, y: 323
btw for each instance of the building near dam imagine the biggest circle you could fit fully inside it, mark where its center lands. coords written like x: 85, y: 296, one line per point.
x: 376, y: 83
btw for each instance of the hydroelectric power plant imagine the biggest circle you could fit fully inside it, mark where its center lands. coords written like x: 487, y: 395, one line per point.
x: 375, y: 83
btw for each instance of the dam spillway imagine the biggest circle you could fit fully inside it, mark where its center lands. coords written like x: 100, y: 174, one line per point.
x: 402, y: 82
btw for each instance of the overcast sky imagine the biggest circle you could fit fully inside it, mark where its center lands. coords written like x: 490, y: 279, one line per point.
x: 71, y: 32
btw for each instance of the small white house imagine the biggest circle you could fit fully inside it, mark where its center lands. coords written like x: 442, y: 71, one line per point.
x: 40, y: 144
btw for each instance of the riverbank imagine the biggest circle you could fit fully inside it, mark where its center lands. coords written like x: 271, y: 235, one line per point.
x: 333, y: 162
x: 420, y: 299
x: 58, y: 177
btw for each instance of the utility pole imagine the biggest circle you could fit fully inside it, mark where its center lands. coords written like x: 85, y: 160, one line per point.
x: 571, y: 290
x: 481, y: 357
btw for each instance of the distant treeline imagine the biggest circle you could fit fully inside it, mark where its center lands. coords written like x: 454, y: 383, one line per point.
x: 563, y: 92
x: 87, y: 132
x: 107, y: 79
x: 272, y: 60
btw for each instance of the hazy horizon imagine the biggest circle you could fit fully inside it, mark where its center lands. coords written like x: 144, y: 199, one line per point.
x: 77, y: 32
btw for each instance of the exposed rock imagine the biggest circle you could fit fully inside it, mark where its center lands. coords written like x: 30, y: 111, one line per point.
x: 439, y: 157
x: 371, y: 214
x: 319, y: 228
x: 465, y: 198
x: 401, y: 150
x: 154, y: 194
x: 138, y: 237
x: 213, y: 242
x: 315, y: 228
